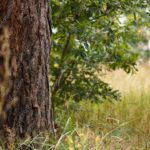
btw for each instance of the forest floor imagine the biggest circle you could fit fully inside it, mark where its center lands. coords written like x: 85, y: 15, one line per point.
x: 121, y: 125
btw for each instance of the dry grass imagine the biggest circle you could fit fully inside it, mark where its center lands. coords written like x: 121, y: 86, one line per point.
x: 128, y: 83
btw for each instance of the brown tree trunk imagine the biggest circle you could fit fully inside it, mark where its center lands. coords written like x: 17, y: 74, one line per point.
x: 28, y: 105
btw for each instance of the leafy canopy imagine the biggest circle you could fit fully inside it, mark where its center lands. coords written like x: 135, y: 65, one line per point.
x: 90, y: 36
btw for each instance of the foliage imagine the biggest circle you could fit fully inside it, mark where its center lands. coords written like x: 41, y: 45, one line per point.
x: 89, y: 36
x: 143, y: 30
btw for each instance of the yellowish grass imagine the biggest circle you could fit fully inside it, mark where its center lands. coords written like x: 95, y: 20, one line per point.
x: 127, y: 83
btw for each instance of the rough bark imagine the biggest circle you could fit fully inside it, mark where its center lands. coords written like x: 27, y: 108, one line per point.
x: 29, y: 26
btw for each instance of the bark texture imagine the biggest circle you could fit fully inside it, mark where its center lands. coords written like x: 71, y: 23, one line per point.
x: 29, y: 25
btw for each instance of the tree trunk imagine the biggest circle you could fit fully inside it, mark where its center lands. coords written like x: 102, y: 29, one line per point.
x: 28, y: 105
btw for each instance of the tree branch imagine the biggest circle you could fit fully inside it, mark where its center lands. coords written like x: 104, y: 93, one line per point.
x: 60, y: 73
